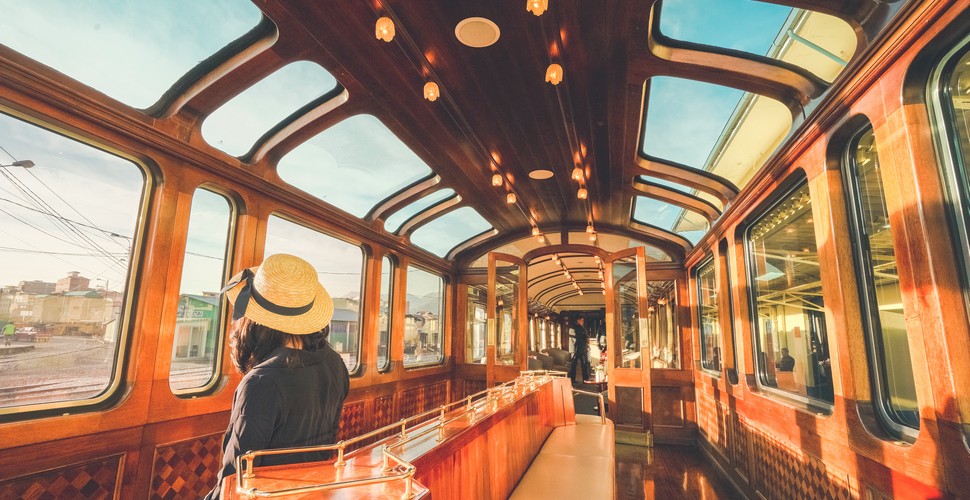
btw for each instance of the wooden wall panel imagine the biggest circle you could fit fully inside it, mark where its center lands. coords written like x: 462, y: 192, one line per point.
x: 100, y: 478
x: 187, y: 469
x: 629, y: 401
x: 668, y: 407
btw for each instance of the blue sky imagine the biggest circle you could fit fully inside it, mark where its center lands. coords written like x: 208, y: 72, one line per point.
x: 131, y: 51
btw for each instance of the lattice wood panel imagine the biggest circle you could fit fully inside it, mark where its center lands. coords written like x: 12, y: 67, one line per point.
x: 437, y: 395
x: 97, y: 479
x: 186, y: 469
x: 783, y: 472
x: 412, y: 402
x: 739, y: 447
x: 352, y: 421
x: 711, y: 421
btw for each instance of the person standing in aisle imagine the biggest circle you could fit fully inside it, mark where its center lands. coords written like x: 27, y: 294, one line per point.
x: 581, y: 356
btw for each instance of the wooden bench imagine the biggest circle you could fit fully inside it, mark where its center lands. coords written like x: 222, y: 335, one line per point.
x: 576, y: 461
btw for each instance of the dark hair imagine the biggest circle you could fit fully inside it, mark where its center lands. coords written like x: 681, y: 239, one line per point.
x: 251, y: 343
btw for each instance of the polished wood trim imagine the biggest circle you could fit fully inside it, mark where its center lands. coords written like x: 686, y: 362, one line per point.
x: 677, y: 198
x: 701, y: 180
x: 407, y: 195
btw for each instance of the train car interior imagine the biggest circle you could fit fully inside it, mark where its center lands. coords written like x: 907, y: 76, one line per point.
x: 575, y: 249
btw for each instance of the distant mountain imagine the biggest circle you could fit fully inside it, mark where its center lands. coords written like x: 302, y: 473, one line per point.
x: 430, y: 303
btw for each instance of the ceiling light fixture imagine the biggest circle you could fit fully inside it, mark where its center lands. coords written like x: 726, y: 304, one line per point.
x: 589, y: 228
x: 384, y: 29
x: 431, y: 91
x: 542, y: 239
x: 535, y: 231
x: 592, y: 236
x: 537, y: 7
x: 541, y: 174
x: 510, y: 198
x: 554, y: 74
x: 577, y: 174
x: 581, y: 194
x: 497, y: 180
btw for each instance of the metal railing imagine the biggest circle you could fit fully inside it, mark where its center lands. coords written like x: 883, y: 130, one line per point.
x: 468, y: 407
x: 598, y: 395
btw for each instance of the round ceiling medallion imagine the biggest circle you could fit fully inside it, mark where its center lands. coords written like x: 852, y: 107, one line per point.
x: 477, y: 32
x: 540, y: 174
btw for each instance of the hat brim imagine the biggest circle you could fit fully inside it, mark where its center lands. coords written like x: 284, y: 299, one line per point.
x: 312, y: 321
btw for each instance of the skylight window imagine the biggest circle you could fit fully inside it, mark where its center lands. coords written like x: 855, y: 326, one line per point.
x: 682, y: 189
x: 712, y: 127
x: 130, y: 51
x: 686, y: 223
x: 238, y: 124
x: 395, y: 221
x: 353, y: 165
x: 819, y: 43
x: 440, y: 235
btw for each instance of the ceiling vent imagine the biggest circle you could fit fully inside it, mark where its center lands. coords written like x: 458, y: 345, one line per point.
x: 477, y: 32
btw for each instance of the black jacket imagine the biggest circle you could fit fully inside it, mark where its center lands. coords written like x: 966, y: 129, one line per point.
x: 280, y: 407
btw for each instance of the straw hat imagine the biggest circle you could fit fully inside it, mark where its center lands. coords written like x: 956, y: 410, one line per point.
x: 282, y: 293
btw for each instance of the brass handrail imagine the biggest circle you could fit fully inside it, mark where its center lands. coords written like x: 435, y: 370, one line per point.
x: 245, y: 462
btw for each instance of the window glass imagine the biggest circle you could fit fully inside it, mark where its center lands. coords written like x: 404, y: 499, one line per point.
x: 66, y: 264
x: 236, y: 125
x: 423, y: 319
x: 687, y: 223
x: 792, y: 343
x: 708, y: 318
x: 475, y: 333
x: 820, y: 43
x: 398, y: 218
x: 197, y: 346
x: 442, y: 234
x: 662, y: 324
x: 710, y: 127
x: 353, y: 165
x: 339, y: 265
x: 384, y: 317
x: 626, y: 305
x: 110, y: 46
x: 954, y: 98
x: 507, y: 298
x: 881, y: 297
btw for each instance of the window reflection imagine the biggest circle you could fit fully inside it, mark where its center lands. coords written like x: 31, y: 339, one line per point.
x: 384, y: 317
x: 196, y: 345
x: 477, y: 317
x: 662, y: 324
x: 626, y: 300
x: 423, y: 319
x: 708, y: 318
x: 881, y: 297
x: 792, y: 343
x: 506, y: 311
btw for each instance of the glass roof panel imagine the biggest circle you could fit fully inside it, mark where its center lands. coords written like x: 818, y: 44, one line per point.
x: 448, y: 231
x: 819, y: 43
x: 238, y: 124
x: 130, y: 51
x: 711, y: 127
x: 670, y: 217
x: 398, y: 218
x: 353, y: 165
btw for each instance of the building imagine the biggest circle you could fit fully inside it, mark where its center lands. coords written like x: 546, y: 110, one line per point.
x: 196, y: 326
x: 74, y: 282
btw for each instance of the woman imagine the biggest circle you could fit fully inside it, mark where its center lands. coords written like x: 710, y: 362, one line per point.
x: 294, y: 384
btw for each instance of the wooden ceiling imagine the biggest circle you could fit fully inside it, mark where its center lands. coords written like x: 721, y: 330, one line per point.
x: 496, y: 112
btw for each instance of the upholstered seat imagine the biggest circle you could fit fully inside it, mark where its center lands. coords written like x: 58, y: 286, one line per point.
x: 560, y: 359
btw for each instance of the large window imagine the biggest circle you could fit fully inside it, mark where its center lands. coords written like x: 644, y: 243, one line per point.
x: 65, y: 269
x: 786, y: 286
x: 339, y: 265
x: 196, y: 345
x: 507, y: 299
x: 708, y: 318
x: 894, y: 390
x: 384, y: 317
x: 424, y: 319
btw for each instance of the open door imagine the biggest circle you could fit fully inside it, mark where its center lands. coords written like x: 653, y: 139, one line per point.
x: 628, y: 361
x: 507, y: 318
